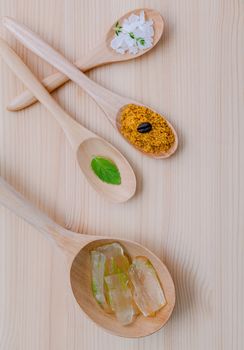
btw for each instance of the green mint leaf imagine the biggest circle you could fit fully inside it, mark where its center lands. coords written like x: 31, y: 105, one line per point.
x: 132, y: 35
x: 141, y: 41
x: 117, y: 31
x: 117, y: 28
x: 106, y: 170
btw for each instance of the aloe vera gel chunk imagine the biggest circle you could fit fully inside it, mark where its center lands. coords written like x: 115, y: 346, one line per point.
x: 98, y: 288
x: 147, y: 291
x: 116, y: 261
x: 120, y: 297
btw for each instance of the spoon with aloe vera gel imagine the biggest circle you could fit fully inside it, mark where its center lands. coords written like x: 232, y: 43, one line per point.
x: 101, y: 54
x: 77, y: 249
x: 112, y: 104
x: 113, y: 178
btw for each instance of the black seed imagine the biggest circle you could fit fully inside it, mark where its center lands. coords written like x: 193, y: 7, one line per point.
x: 144, y: 127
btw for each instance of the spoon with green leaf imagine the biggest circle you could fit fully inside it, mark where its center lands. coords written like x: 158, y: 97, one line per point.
x: 105, y: 168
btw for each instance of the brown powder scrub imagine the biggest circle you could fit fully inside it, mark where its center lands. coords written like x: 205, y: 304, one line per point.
x: 145, y: 129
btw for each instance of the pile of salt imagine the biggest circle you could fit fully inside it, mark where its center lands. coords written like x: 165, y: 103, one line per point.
x: 133, y: 35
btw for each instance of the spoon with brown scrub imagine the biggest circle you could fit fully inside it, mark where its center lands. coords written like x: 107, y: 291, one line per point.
x: 113, y: 105
x: 85, y: 144
x: 77, y: 248
x: 101, y: 54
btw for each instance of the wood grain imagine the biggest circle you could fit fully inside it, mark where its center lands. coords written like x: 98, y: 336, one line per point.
x: 188, y: 209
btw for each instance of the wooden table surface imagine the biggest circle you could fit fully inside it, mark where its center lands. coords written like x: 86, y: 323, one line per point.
x: 188, y: 209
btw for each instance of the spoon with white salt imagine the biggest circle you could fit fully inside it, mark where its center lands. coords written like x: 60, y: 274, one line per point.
x: 112, y: 104
x: 100, y: 55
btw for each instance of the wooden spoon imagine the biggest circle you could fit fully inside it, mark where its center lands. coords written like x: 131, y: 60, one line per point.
x: 85, y: 144
x: 76, y: 248
x: 101, y: 54
x: 110, y: 102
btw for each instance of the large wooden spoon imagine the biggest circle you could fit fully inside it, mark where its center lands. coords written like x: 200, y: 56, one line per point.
x: 85, y: 144
x: 76, y: 248
x: 111, y: 103
x: 101, y: 54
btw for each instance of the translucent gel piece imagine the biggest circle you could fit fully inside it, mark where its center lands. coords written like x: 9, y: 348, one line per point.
x: 135, y: 307
x: 120, y: 297
x: 147, y: 291
x: 118, y: 264
x: 98, y: 288
x: 116, y: 261
x: 111, y: 250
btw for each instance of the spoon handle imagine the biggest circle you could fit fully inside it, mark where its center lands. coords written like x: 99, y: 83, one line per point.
x: 93, y: 59
x: 108, y: 101
x: 13, y: 200
x: 74, y: 131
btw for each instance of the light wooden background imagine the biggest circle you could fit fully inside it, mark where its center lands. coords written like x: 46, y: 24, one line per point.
x: 189, y: 209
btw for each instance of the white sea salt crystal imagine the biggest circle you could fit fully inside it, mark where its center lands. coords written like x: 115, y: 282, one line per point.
x: 142, y: 17
x: 136, y: 34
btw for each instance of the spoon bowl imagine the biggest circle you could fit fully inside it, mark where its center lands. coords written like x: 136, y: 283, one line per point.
x: 161, y: 155
x: 142, y: 326
x: 77, y: 248
x: 116, y: 193
x: 158, y: 25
